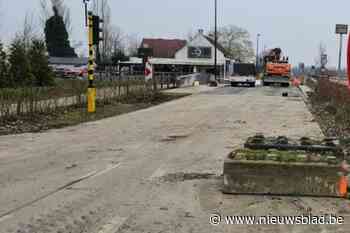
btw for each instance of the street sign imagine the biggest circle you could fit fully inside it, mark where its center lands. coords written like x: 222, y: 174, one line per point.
x: 341, y: 29
x: 148, y: 71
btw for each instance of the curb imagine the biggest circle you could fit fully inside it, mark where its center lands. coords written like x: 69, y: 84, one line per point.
x: 304, y: 95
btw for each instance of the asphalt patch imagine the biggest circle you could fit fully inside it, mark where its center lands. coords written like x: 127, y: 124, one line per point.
x: 181, y: 177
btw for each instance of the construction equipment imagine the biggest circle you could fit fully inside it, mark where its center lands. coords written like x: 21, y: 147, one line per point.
x: 277, y: 69
x: 282, y: 166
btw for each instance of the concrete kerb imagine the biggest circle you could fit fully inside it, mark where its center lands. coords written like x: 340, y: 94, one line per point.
x: 304, y: 92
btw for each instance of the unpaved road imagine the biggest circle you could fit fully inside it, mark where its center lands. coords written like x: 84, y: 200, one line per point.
x: 154, y: 170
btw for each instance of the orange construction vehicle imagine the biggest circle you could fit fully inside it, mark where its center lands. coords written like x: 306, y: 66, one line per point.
x: 277, y: 70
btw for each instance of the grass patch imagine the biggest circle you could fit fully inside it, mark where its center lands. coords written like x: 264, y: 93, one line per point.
x: 330, y: 105
x: 284, y: 156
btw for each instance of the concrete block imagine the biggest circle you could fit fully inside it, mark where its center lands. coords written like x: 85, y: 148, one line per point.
x: 281, y: 178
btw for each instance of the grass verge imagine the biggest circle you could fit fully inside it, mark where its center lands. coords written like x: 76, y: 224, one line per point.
x: 330, y: 105
x: 74, y: 115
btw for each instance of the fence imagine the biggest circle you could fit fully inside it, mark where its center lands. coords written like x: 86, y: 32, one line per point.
x: 111, y: 86
x: 67, y: 93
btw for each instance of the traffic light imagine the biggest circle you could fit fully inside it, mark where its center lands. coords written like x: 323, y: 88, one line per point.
x: 97, y: 29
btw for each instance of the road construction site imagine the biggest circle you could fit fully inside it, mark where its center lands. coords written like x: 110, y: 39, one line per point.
x: 155, y: 170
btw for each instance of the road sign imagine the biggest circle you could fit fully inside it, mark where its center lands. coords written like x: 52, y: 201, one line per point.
x: 341, y: 29
x: 148, y: 71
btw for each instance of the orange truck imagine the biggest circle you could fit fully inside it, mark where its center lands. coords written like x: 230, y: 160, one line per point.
x: 277, y: 70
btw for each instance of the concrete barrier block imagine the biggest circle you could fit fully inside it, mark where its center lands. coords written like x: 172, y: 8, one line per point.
x: 281, y: 178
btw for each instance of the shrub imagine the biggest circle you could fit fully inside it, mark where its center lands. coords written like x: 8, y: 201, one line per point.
x: 20, y: 73
x: 3, y: 68
x: 39, y: 64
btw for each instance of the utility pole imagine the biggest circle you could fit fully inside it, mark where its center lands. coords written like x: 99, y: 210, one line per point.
x: 340, y: 54
x: 257, y: 51
x: 348, y: 61
x: 216, y: 42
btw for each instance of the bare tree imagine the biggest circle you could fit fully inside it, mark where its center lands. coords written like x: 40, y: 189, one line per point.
x: 118, y: 40
x: 117, y: 37
x: 132, y: 44
x: 107, y: 43
x: 46, y: 12
x: 0, y: 13
x: 64, y: 11
x: 113, y: 37
x: 29, y: 29
x: 68, y: 20
x: 95, y: 7
x: 236, y: 42
x: 322, y: 51
x: 190, y: 35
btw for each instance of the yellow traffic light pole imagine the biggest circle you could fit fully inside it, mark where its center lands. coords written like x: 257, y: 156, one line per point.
x: 91, y: 94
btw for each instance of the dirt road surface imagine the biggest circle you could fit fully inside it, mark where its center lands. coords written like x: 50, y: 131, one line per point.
x: 154, y: 170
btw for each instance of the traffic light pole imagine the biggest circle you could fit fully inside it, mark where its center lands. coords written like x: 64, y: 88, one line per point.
x: 91, y: 94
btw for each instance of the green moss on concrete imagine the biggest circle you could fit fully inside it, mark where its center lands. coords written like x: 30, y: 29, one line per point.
x: 284, y: 156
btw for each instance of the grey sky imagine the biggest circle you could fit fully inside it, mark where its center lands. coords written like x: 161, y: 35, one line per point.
x: 296, y: 26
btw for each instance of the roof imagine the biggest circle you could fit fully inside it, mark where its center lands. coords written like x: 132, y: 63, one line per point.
x: 172, y: 61
x: 219, y: 46
x: 68, y: 60
x: 163, y: 48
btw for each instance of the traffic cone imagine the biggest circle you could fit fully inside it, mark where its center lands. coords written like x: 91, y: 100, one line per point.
x: 343, y: 182
x: 343, y: 186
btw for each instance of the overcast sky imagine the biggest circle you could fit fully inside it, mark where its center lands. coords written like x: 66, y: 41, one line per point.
x: 296, y: 26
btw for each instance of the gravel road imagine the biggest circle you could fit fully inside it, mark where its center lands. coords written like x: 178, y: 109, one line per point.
x: 154, y: 170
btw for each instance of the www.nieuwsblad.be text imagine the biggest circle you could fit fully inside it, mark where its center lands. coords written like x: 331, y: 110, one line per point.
x: 217, y: 219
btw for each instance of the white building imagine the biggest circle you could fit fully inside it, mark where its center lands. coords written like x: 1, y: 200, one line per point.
x: 201, y: 52
x: 195, y: 56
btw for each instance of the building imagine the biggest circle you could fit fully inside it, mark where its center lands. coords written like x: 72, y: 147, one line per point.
x: 195, y: 56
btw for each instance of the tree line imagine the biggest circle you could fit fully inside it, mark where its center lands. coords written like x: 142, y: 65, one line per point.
x: 25, y: 64
x: 25, y: 61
